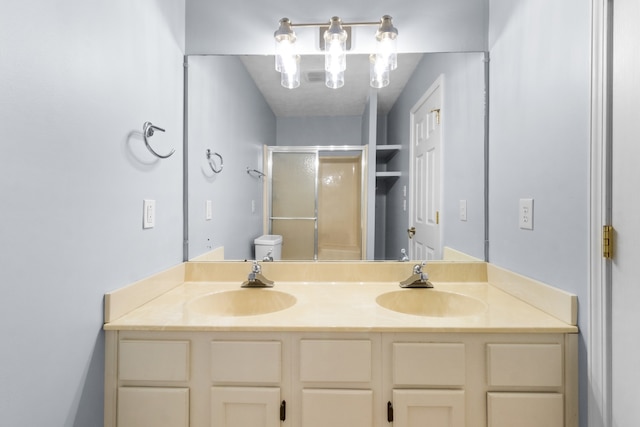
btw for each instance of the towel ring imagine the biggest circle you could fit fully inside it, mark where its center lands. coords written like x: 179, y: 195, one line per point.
x: 212, y: 163
x: 147, y: 131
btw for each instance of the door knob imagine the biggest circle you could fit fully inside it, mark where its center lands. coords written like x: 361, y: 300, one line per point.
x: 411, y: 231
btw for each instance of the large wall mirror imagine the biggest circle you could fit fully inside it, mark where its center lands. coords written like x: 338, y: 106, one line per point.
x: 237, y: 108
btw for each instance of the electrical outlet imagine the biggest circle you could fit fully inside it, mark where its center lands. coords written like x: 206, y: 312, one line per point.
x: 148, y: 213
x: 525, y: 217
x: 463, y: 210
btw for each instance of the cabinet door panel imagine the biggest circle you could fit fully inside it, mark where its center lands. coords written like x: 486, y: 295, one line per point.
x: 525, y: 409
x: 153, y: 407
x: 433, y: 408
x: 245, y: 406
x: 337, y: 408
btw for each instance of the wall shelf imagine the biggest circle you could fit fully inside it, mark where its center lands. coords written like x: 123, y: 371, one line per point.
x: 384, y: 153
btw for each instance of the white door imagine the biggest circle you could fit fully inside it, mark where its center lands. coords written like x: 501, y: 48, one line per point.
x: 424, y: 218
x: 625, y: 215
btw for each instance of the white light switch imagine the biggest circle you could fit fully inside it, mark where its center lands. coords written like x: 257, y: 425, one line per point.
x: 208, y: 210
x: 525, y: 218
x: 148, y: 213
x: 463, y: 210
x: 253, y: 206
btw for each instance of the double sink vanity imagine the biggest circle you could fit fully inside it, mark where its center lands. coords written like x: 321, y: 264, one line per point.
x: 340, y: 344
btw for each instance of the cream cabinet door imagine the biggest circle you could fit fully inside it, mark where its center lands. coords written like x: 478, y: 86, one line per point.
x: 153, y: 407
x: 433, y: 408
x: 245, y: 406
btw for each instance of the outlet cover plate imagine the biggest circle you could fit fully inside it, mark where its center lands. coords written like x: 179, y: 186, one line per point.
x: 148, y: 213
x: 525, y: 214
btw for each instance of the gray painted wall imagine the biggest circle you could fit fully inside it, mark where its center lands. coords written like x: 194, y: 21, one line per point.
x: 539, y: 136
x: 79, y: 79
x: 462, y: 151
x: 228, y: 115
x: 323, y: 130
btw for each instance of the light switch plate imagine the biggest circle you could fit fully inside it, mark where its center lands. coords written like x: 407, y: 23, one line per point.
x: 463, y: 210
x: 148, y: 213
x: 208, y: 210
x: 525, y: 213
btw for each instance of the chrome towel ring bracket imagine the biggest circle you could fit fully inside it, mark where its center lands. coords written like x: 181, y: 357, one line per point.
x: 147, y: 131
x: 212, y: 164
x: 255, y: 173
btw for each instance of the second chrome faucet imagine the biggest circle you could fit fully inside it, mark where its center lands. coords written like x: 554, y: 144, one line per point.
x: 256, y: 279
x: 418, y: 278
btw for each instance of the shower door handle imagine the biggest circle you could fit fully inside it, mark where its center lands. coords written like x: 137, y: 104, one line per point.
x: 411, y: 231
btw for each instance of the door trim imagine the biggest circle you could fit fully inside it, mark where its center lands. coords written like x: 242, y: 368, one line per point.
x: 599, y: 333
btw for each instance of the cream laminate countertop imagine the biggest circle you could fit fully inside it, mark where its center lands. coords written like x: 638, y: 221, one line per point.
x: 340, y: 306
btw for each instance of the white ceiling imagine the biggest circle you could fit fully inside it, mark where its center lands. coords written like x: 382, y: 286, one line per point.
x: 313, y: 98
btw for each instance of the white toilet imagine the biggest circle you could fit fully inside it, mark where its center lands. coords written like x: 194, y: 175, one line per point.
x: 268, y: 243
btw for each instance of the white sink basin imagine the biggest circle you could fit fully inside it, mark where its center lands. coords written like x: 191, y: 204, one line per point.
x: 430, y: 302
x: 242, y: 302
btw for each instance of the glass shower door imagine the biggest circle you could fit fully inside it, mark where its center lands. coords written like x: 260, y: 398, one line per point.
x: 293, y: 203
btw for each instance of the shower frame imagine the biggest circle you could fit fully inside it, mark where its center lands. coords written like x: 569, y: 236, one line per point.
x: 317, y: 150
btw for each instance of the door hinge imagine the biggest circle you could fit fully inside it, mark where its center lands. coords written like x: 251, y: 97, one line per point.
x: 283, y: 411
x: 389, y: 412
x: 607, y: 241
x: 437, y: 217
x: 437, y: 111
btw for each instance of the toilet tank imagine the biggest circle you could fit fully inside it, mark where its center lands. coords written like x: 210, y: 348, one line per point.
x: 268, y: 242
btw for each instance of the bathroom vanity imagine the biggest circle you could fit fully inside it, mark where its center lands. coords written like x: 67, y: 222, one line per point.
x: 333, y: 345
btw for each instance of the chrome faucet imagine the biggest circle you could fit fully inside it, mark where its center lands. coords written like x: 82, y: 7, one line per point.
x: 418, y: 278
x: 256, y: 279
x: 403, y: 255
x: 268, y: 257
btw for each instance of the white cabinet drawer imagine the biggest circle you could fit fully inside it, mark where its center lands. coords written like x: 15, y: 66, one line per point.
x: 428, y: 364
x: 335, y: 360
x: 525, y: 410
x: 246, y: 361
x: 529, y: 365
x: 153, y: 360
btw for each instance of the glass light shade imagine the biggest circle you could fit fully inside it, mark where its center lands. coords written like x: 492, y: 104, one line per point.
x: 290, y: 74
x: 378, y: 72
x: 334, y: 80
x: 335, y: 47
x: 285, y: 40
x: 386, y: 37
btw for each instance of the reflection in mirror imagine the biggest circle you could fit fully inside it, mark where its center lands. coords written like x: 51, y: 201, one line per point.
x: 315, y: 201
x: 236, y: 107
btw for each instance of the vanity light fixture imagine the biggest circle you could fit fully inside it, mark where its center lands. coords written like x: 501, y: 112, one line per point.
x: 335, y: 43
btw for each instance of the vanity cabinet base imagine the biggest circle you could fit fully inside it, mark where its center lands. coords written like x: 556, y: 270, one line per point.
x: 350, y: 379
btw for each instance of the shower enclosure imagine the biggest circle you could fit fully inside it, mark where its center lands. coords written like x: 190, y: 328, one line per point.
x: 316, y: 201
